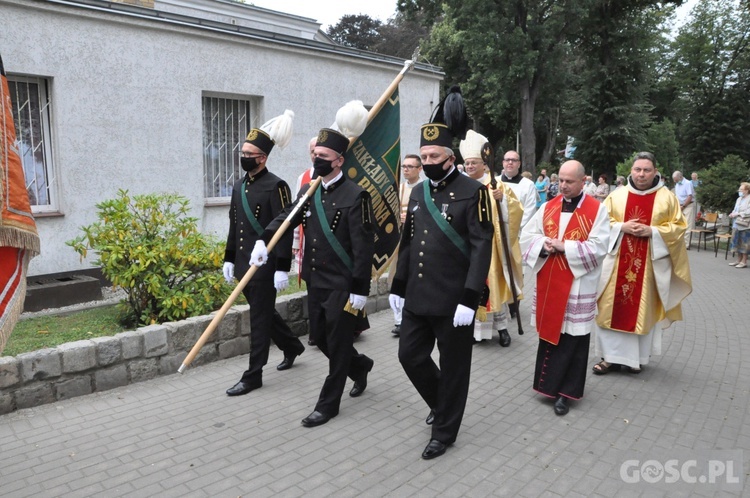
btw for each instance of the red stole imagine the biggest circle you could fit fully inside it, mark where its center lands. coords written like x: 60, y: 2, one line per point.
x: 554, y: 279
x: 631, y: 264
x: 306, y: 179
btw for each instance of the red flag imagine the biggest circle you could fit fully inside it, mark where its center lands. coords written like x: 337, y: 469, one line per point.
x: 19, y: 241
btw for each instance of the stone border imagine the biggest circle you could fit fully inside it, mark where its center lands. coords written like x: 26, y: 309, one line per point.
x: 83, y: 367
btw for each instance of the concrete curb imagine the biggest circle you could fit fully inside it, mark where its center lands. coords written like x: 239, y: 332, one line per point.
x: 83, y: 367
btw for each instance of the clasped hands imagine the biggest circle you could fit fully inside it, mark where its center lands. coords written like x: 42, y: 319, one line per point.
x: 636, y: 228
x: 554, y: 245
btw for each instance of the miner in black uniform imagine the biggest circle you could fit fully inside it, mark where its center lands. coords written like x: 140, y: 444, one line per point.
x: 443, y: 261
x: 339, y: 245
x: 256, y: 200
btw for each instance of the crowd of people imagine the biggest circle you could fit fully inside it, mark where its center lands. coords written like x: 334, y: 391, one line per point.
x: 606, y: 262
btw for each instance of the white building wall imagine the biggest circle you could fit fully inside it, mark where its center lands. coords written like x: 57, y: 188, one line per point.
x: 126, y: 105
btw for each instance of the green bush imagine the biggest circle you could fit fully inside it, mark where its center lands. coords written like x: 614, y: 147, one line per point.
x: 149, y: 246
x: 718, y: 190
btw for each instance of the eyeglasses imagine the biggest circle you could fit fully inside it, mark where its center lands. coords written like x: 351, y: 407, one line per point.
x: 409, y: 166
x: 509, y: 160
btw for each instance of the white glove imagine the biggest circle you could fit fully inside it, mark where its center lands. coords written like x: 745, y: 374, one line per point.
x: 280, y: 280
x: 228, y: 271
x: 396, y: 302
x: 259, y: 256
x: 358, y: 302
x: 463, y: 316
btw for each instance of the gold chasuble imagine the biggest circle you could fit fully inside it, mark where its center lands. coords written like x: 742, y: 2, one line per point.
x: 498, y: 280
x: 554, y: 279
x: 640, y: 286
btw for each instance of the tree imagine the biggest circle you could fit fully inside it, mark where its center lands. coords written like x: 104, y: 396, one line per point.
x: 661, y: 140
x: 357, y: 31
x: 503, y: 56
x: 710, y: 72
x: 609, y: 111
x: 718, y: 191
x: 400, y: 36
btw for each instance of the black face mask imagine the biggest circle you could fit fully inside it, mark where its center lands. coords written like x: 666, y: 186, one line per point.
x: 249, y: 163
x: 322, y: 167
x: 435, y: 172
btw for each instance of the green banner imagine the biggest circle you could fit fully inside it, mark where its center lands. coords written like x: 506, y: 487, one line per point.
x: 373, y: 162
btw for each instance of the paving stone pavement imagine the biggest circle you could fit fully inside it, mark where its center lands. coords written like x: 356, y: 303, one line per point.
x: 180, y: 435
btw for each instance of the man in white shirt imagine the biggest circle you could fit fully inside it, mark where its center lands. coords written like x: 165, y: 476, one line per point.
x: 522, y: 187
x: 685, y: 193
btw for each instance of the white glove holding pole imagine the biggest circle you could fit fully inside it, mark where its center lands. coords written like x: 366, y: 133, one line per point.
x: 358, y: 302
x: 396, y: 302
x: 463, y: 316
x: 228, y: 271
x: 280, y: 280
x: 259, y: 256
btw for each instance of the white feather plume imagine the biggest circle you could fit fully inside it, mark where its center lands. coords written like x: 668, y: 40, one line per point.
x: 351, y: 119
x: 280, y: 128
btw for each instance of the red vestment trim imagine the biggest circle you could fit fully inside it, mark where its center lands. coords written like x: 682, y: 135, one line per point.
x: 631, y: 264
x: 554, y: 280
x: 306, y: 179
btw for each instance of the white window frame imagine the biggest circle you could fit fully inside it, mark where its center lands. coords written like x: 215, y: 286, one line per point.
x: 221, y: 157
x: 43, y: 143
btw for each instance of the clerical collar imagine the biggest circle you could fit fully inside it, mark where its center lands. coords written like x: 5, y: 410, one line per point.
x: 656, y: 181
x: 515, y: 179
x: 257, y: 175
x: 333, y: 182
x: 452, y: 174
x: 568, y: 206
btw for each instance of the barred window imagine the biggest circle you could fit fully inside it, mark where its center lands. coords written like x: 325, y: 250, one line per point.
x: 226, y: 122
x: 31, y: 116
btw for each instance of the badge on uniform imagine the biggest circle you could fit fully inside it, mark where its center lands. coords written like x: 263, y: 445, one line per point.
x: 444, y: 211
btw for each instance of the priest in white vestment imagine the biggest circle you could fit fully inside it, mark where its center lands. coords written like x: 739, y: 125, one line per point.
x: 564, y: 244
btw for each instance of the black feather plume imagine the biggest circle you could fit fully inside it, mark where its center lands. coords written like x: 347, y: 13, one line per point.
x: 451, y: 111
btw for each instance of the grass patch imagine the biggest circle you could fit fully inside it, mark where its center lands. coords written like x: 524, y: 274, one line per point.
x: 50, y: 331
x: 41, y: 332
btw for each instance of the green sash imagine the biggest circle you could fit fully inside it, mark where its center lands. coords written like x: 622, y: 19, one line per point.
x: 332, y: 240
x: 442, y: 223
x: 249, y: 214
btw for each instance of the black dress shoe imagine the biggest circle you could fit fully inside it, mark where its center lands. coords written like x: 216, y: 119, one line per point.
x: 430, y: 418
x: 242, y: 387
x: 504, y: 338
x: 434, y: 449
x: 315, y: 419
x: 361, y: 384
x: 561, y: 405
x: 396, y: 330
x: 286, y: 363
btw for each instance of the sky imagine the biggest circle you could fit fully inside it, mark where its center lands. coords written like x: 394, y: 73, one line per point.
x: 328, y: 12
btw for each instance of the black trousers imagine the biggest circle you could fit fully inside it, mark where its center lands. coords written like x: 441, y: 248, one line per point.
x: 332, y: 328
x: 444, y: 389
x: 266, y: 325
x: 561, y: 369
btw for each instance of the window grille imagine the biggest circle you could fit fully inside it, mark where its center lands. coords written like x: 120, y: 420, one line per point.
x: 31, y: 116
x: 226, y: 122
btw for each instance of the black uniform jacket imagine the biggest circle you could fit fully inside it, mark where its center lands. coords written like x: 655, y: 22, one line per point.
x: 348, y: 213
x: 433, y: 275
x: 267, y: 195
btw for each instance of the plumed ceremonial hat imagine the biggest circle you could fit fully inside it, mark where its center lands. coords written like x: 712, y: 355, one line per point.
x: 472, y: 145
x: 276, y: 131
x: 334, y: 140
x: 351, y: 121
x: 449, y: 120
